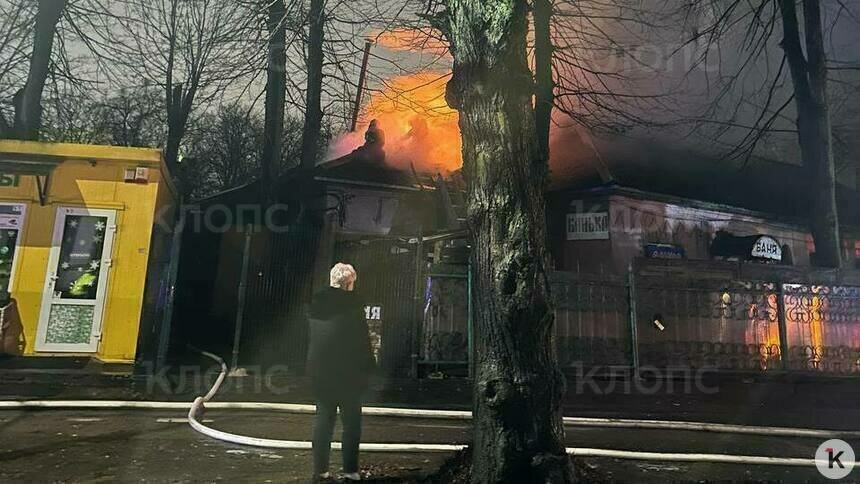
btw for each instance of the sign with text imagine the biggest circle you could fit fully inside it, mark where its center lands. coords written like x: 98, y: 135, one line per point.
x: 664, y: 251
x: 767, y: 248
x: 7, y: 180
x: 588, y: 226
x: 11, y: 216
x: 373, y: 313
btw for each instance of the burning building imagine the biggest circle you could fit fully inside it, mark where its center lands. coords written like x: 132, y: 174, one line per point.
x: 391, y: 201
x: 246, y: 276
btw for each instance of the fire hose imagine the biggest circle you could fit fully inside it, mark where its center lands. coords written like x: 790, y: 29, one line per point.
x: 199, y: 405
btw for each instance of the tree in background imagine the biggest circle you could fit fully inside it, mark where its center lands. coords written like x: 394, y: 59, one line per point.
x: 753, y: 33
x: 276, y: 86
x: 313, y: 100
x: 224, y: 150
x: 193, y: 51
x: 130, y: 117
x: 714, y: 75
x: 27, y: 101
x: 814, y: 130
x: 517, y: 426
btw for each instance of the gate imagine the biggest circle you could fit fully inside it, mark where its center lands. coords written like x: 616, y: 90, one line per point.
x: 386, y: 283
x: 279, y: 286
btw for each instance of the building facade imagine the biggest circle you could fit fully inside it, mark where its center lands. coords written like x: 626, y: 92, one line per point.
x: 85, y: 241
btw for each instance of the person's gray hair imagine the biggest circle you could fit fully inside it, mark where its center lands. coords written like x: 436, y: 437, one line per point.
x: 341, y: 274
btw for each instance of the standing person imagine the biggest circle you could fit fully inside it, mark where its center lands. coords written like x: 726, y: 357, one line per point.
x: 339, y: 363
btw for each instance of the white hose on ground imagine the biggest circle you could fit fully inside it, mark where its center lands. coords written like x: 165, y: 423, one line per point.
x: 200, y: 403
x: 431, y: 414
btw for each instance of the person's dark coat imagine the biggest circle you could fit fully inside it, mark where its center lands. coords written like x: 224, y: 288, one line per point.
x: 340, y: 359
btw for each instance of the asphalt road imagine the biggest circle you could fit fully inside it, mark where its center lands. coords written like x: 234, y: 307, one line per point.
x: 159, y: 446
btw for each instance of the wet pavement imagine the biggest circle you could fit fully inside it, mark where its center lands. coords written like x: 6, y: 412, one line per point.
x: 159, y: 446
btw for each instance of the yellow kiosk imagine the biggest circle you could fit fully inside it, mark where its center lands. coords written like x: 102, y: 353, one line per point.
x: 84, y: 237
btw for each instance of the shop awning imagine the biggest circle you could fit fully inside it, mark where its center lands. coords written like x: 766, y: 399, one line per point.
x: 23, y: 165
x: 39, y: 167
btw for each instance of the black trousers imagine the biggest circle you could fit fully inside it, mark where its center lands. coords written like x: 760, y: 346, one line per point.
x: 350, y: 416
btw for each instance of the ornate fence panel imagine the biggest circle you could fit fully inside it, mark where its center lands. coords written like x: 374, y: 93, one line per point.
x: 687, y: 315
x: 715, y: 324
x: 592, y: 325
x: 822, y: 327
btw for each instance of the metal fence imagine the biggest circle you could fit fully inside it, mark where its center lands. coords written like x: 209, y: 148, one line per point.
x: 684, y: 314
x: 725, y: 325
x: 711, y: 320
x: 592, y: 315
x: 822, y: 327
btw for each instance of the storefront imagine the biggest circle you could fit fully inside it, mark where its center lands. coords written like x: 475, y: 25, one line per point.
x: 82, y: 231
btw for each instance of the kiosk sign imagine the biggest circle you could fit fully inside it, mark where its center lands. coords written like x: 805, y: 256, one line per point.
x: 767, y: 248
x: 7, y: 180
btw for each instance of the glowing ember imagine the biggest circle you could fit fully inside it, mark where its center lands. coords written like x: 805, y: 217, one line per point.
x: 419, y: 126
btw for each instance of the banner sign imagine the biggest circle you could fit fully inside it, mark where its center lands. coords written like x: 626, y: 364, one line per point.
x: 664, y: 251
x: 588, y: 226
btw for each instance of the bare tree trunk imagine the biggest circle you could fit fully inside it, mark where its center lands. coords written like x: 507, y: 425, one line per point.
x: 5, y: 129
x: 545, y: 85
x: 176, y: 119
x: 28, y: 100
x: 518, y: 432
x: 173, y: 96
x: 276, y: 85
x: 313, y: 104
x: 809, y: 76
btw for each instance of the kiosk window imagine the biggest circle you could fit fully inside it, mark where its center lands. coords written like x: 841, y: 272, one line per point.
x: 11, y: 224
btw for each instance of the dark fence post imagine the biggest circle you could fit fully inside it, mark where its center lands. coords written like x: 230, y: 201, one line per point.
x: 783, y: 331
x: 417, y: 295
x: 469, y: 323
x: 167, y: 315
x: 240, y: 304
x: 634, y: 330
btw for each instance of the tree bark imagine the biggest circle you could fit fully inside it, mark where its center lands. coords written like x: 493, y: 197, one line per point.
x: 28, y: 100
x: 276, y: 85
x: 545, y: 85
x: 313, y: 101
x: 518, y: 432
x: 809, y: 77
x: 177, y: 117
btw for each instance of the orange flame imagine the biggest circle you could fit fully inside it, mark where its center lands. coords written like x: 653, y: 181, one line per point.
x: 419, y: 126
x: 410, y: 40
